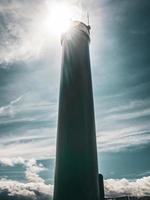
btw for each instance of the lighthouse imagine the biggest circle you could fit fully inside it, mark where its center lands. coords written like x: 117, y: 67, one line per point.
x: 76, y: 168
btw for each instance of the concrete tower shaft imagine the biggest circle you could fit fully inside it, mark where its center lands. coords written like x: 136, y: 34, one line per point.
x: 76, y: 172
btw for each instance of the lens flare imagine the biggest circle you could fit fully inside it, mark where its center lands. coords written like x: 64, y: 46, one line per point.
x: 60, y: 18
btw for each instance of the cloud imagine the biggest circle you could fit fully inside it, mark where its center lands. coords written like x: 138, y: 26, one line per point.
x: 43, y: 145
x: 32, y: 168
x: 7, y: 110
x: 132, y: 105
x: 24, y: 104
x: 113, y: 188
x: 34, y: 189
x: 25, y: 30
x: 29, y: 143
x: 122, y: 138
x: 30, y: 191
x: 25, y: 34
x: 32, y: 171
x: 124, y: 187
x: 130, y: 115
x: 123, y: 125
x: 25, y: 115
x: 12, y: 162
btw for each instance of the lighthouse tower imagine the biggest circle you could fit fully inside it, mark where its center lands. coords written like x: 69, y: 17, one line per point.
x: 76, y: 170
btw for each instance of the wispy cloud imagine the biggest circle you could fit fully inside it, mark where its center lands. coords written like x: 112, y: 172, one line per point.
x: 41, y: 146
x: 132, y: 105
x: 26, y: 34
x: 123, y: 125
x: 122, y: 138
x: 41, y: 143
x: 25, y: 30
x: 29, y: 140
x: 7, y: 110
x: 130, y: 115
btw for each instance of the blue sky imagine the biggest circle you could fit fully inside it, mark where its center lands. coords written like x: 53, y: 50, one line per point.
x: 30, y: 59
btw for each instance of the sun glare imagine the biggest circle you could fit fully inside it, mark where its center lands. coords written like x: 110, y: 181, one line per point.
x: 60, y: 18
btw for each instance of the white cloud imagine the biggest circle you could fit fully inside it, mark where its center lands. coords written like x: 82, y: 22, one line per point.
x: 30, y: 144
x: 36, y: 185
x: 12, y: 162
x: 136, y: 104
x: 34, y: 191
x: 27, y: 143
x: 124, y: 187
x: 25, y: 30
x: 113, y: 188
x: 32, y: 168
x: 26, y: 34
x: 115, y: 133
x: 121, y: 138
x: 130, y: 115
x: 32, y: 171
x: 7, y: 110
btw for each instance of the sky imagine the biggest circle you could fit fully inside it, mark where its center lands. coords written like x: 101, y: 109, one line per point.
x: 30, y: 63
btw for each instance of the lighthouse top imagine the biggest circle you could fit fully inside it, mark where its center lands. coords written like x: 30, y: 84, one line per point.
x: 80, y: 26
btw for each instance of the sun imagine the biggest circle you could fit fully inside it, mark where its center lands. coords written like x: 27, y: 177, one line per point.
x: 60, y: 17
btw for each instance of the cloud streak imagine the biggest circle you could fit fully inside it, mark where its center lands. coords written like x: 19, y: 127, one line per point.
x: 122, y: 138
x: 43, y: 145
x: 8, y: 110
x: 124, y: 125
x: 30, y: 144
